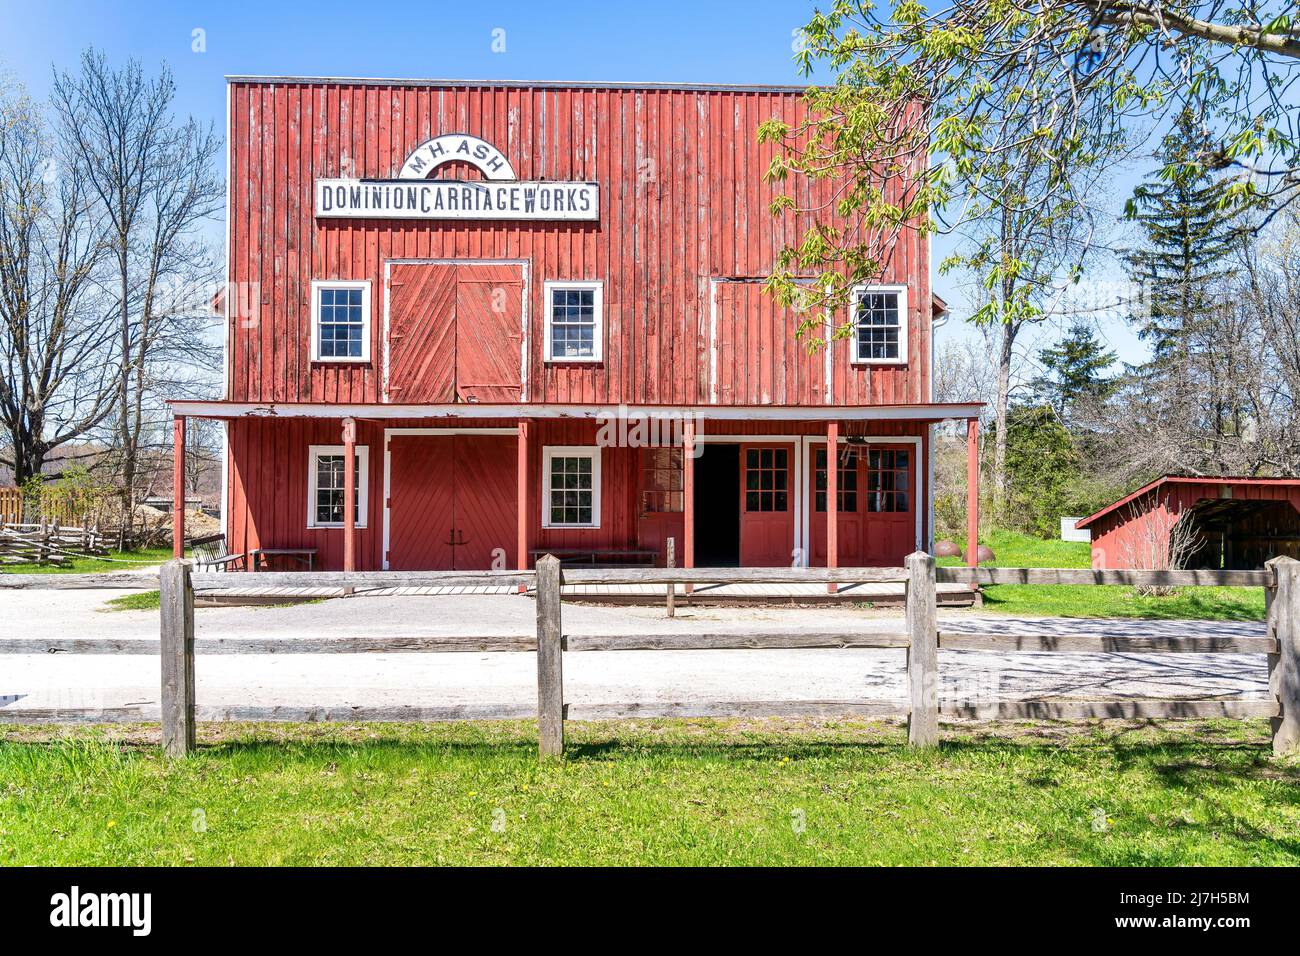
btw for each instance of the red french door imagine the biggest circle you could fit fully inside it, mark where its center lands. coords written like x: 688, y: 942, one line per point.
x: 766, y: 505
x: 890, y: 504
x: 452, y: 502
x: 661, y: 499
x: 850, y: 504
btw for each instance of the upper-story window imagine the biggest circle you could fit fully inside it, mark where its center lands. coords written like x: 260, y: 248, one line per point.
x: 340, y: 321
x: 880, y: 324
x: 574, y: 321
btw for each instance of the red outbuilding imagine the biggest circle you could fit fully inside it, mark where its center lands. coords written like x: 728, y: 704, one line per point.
x: 1235, y: 523
x: 467, y: 323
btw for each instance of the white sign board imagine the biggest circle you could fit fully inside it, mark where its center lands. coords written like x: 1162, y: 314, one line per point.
x: 1070, y: 533
x: 453, y: 199
x: 500, y: 195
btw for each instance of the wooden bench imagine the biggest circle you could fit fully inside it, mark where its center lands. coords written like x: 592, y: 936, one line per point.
x: 599, y: 557
x: 210, y: 553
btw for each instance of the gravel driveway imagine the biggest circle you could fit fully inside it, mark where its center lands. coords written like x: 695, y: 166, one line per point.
x: 436, y: 680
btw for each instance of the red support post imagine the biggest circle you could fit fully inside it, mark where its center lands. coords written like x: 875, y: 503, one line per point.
x: 832, y: 499
x: 521, y: 501
x: 688, y: 496
x: 349, y: 494
x: 178, y: 486
x: 972, y: 491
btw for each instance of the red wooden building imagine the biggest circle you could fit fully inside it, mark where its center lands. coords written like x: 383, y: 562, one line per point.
x: 530, y: 314
x: 1236, y: 523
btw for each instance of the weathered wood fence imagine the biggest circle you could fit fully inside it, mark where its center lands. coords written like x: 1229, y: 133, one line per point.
x: 922, y: 639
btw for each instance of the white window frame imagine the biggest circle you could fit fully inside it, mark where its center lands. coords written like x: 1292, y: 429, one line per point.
x: 863, y: 290
x: 363, y: 483
x: 598, y: 313
x: 550, y: 452
x: 366, y: 323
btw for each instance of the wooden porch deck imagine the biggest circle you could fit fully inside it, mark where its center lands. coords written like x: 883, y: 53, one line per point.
x: 949, y: 595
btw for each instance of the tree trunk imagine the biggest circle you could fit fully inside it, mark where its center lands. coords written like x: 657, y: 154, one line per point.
x: 1001, y: 405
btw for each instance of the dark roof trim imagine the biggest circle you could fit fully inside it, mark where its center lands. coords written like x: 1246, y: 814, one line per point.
x: 523, y: 84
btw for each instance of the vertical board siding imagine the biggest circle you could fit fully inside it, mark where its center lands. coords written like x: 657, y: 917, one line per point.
x: 683, y: 202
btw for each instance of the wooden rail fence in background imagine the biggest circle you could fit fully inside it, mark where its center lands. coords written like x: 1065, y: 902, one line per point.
x: 922, y: 638
x: 11, y: 505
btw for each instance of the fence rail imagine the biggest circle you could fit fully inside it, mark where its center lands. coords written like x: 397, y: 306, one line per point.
x: 922, y: 638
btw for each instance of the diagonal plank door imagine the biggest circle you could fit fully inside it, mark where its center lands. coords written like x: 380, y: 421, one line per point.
x: 422, y: 333
x: 486, y: 505
x: 422, y: 503
x: 489, y: 329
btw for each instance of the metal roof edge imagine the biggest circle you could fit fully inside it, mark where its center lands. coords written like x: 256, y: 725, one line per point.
x: 524, y: 84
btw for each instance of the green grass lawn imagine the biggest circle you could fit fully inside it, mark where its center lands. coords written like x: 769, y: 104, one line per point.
x: 143, y: 601
x: 129, y: 560
x: 651, y: 792
x: 1087, y: 600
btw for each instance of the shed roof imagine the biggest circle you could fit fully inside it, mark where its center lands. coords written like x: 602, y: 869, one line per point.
x: 1186, y: 480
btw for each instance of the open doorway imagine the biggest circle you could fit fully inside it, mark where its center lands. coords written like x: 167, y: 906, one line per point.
x: 717, y: 506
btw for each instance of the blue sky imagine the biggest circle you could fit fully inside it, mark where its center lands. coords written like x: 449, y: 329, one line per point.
x: 670, y: 40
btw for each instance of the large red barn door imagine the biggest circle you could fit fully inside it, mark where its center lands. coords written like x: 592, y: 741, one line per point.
x: 489, y: 329
x: 451, y: 502
x: 766, y: 513
x: 486, y: 510
x: 420, y: 502
x: 422, y: 333
x: 454, y: 333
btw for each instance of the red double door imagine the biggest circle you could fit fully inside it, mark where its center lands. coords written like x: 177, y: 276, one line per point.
x: 452, y: 502
x: 876, y: 503
x: 454, y: 332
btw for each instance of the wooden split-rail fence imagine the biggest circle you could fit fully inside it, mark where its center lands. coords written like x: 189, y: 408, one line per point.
x: 922, y: 639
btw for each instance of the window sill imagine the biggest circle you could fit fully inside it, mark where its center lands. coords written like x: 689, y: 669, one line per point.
x: 901, y: 363
x: 574, y: 361
x: 333, y: 527
x: 570, y: 527
x: 341, y: 361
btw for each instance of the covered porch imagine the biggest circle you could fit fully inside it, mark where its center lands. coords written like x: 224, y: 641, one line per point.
x: 380, y: 487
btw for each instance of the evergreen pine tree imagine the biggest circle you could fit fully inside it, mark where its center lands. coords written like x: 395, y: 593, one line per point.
x: 1187, y: 239
x: 1073, y: 370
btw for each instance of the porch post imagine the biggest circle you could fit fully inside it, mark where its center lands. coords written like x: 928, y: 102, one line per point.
x: 178, y: 487
x: 832, y: 500
x: 972, y: 491
x: 349, y: 494
x: 688, y: 496
x: 521, y: 501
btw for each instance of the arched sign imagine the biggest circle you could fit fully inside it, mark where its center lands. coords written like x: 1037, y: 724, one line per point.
x: 457, y: 147
x: 500, y: 195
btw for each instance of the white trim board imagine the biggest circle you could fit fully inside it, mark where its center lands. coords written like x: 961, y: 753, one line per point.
x: 378, y: 410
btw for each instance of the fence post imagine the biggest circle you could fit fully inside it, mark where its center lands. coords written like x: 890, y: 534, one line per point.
x: 671, y: 562
x: 1283, y: 602
x: 922, y: 652
x: 176, y: 599
x: 550, y: 659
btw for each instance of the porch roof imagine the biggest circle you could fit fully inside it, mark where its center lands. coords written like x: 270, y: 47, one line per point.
x: 929, y: 411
